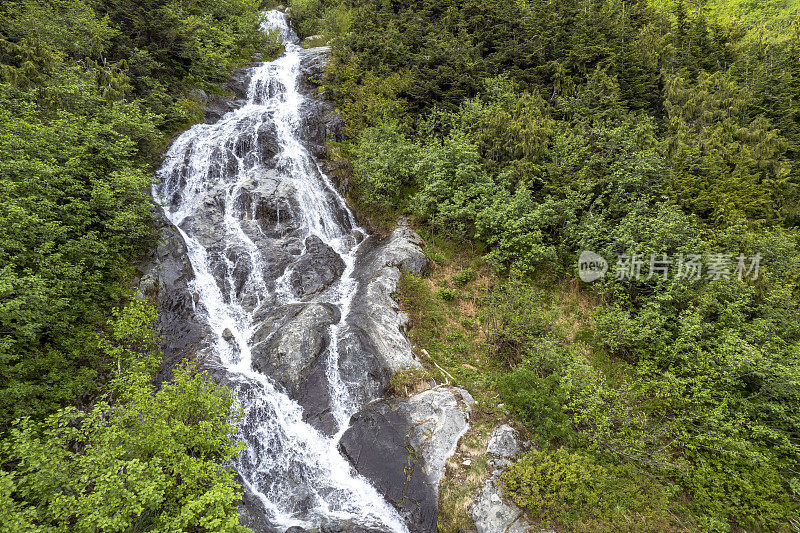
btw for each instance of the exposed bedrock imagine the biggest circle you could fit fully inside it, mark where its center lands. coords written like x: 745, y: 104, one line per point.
x: 165, y: 279
x: 317, y: 269
x: 401, y: 446
x: 491, y: 511
x: 291, y: 347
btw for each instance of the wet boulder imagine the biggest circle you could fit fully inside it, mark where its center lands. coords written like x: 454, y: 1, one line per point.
x: 378, y: 446
x: 239, y: 83
x: 217, y: 106
x: 165, y: 279
x: 317, y: 268
x: 347, y: 527
x: 401, y: 446
x: 291, y: 349
x: 289, y: 352
x: 267, y: 141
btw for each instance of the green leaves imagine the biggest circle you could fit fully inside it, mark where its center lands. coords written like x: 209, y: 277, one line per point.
x: 383, y: 165
x: 74, y: 210
x: 725, y: 164
x: 453, y: 186
x: 88, y: 94
x: 153, y: 461
x: 586, y: 493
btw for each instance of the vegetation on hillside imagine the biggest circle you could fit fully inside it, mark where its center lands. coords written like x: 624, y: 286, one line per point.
x: 90, y: 93
x: 537, y: 130
x: 529, y: 130
x: 138, y: 460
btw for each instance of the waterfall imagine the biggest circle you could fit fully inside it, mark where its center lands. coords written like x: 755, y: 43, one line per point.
x: 250, y: 202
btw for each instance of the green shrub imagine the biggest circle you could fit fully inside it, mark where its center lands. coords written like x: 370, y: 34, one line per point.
x: 579, y: 491
x: 147, y: 459
x: 539, y: 401
x: 464, y: 277
x: 383, y: 165
x: 447, y: 294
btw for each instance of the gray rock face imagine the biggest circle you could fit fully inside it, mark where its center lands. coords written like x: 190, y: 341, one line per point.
x: 319, y: 267
x: 492, y: 515
x: 216, y: 106
x: 165, y: 281
x: 346, y: 527
x: 379, y: 447
x: 313, y: 67
x: 401, y: 446
x: 379, y: 266
x: 372, y: 345
x: 291, y: 348
x: 439, y: 418
x: 490, y: 512
x: 300, y: 339
x: 504, y: 442
x: 239, y: 83
x: 328, y: 123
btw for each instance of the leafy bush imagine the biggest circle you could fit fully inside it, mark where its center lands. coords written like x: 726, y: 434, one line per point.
x: 447, y: 294
x: 464, y: 276
x: 383, y: 166
x: 89, y: 94
x: 539, y: 401
x: 150, y: 460
x: 585, y: 494
x: 453, y: 186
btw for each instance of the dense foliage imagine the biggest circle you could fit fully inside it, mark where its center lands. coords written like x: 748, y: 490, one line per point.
x: 538, y: 130
x: 147, y: 461
x: 89, y: 93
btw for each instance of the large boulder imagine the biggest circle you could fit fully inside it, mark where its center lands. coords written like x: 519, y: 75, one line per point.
x: 379, y: 266
x: 317, y: 269
x: 439, y: 418
x: 287, y: 353
x: 378, y: 445
x: 401, y: 446
x: 504, y: 442
x: 291, y: 348
x: 267, y: 141
x: 491, y: 512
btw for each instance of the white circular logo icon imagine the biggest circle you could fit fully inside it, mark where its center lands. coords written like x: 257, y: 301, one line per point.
x: 591, y: 266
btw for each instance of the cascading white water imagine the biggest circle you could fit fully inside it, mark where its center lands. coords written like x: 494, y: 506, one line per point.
x: 296, y: 471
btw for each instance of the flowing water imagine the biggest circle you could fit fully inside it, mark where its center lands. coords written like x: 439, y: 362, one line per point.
x: 211, y: 171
